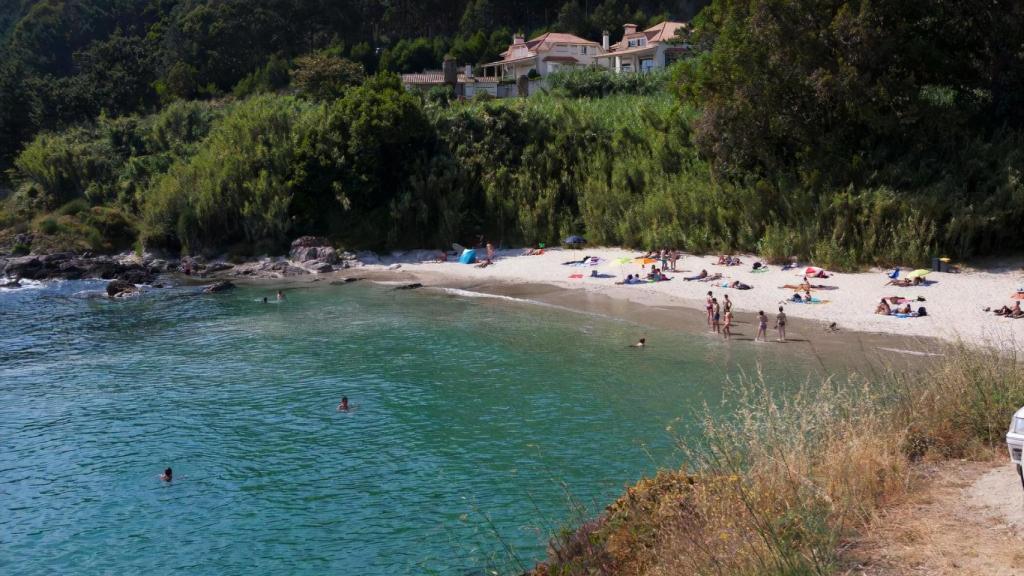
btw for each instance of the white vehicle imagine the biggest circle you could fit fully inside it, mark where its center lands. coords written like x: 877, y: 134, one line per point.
x: 1015, y: 441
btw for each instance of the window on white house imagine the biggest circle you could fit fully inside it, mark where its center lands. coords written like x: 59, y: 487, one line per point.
x: 583, y: 50
x: 637, y: 42
x: 647, y: 64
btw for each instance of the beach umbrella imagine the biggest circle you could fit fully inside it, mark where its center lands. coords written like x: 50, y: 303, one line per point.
x: 623, y: 261
x: 919, y: 273
x: 644, y: 261
x: 811, y: 271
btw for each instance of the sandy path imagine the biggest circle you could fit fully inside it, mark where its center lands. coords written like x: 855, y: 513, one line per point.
x: 968, y: 520
x: 955, y: 302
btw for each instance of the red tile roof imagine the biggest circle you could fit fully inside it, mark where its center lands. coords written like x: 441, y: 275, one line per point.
x: 658, y: 33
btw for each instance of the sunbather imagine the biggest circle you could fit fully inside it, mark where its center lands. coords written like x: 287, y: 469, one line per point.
x: 1014, y: 312
x: 703, y: 274
x: 883, y: 308
x: 737, y: 285
x: 712, y: 278
x: 571, y: 262
x: 902, y: 282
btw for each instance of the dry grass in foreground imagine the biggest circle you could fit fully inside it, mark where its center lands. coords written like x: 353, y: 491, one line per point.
x: 784, y: 484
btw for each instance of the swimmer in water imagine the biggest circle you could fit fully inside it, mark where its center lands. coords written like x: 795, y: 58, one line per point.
x: 343, y: 407
x: 264, y: 299
x: 167, y: 475
x: 640, y: 344
x: 280, y: 295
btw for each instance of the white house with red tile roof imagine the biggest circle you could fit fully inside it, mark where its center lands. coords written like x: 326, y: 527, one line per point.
x: 643, y: 51
x: 544, y: 54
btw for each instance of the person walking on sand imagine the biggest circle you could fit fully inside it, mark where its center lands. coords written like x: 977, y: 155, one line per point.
x: 717, y: 318
x: 709, y: 307
x: 664, y: 259
x: 780, y: 324
x: 762, y: 327
x: 726, y: 328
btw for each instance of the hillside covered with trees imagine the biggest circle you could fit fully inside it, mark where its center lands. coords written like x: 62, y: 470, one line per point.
x: 849, y: 132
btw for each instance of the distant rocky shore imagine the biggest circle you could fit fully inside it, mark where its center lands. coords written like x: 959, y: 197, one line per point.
x: 309, y: 255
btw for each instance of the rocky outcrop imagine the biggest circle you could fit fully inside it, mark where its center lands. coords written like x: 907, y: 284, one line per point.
x: 68, y: 266
x: 312, y: 249
x: 268, y: 268
x: 222, y: 286
x: 315, y: 254
x: 121, y: 288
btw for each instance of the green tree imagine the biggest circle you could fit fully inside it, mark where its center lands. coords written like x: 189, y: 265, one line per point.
x: 320, y: 76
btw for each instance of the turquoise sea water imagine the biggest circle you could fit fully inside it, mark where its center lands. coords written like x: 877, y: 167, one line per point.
x: 481, y: 426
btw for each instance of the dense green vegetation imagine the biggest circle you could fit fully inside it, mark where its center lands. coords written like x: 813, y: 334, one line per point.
x: 63, y: 62
x: 847, y: 132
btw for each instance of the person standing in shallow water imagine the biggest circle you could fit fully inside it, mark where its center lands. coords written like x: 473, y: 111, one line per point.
x: 780, y: 324
x: 716, y: 318
x: 710, y: 307
x: 762, y: 327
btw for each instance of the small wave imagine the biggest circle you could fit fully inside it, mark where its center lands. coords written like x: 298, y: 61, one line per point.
x: 25, y: 284
x: 472, y: 294
x: 910, y: 352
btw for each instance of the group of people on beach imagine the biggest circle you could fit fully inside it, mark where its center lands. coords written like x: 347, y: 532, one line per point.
x: 898, y: 306
x: 1010, y: 312
x: 668, y: 258
x: 720, y: 319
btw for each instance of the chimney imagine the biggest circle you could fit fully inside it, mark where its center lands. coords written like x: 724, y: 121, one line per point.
x: 451, y: 71
x: 605, y: 40
x: 630, y: 29
x: 518, y: 38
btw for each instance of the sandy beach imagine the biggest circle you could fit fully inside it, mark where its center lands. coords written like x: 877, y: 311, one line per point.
x: 955, y: 301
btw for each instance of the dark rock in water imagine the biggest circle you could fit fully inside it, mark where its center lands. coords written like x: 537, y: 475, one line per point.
x: 11, y: 284
x: 136, y: 276
x: 412, y: 286
x: 25, y: 267
x: 345, y: 281
x: 222, y: 286
x: 118, y: 288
